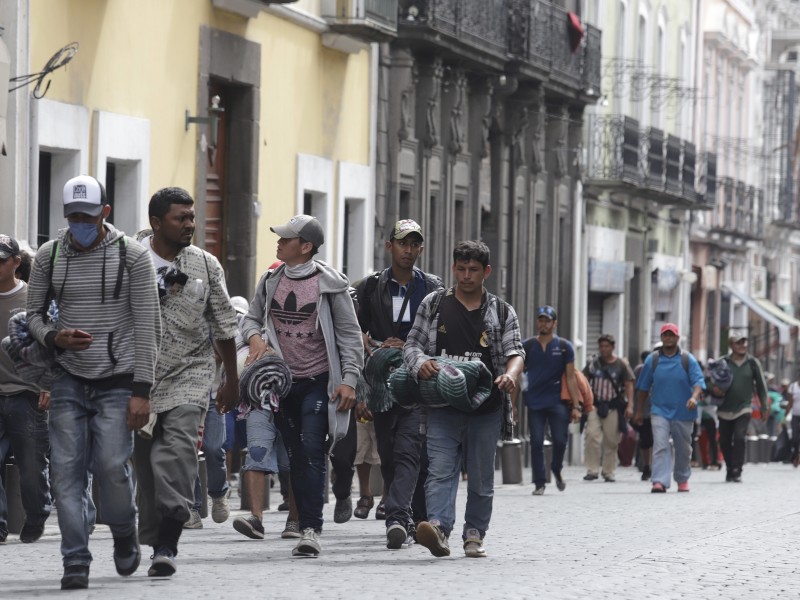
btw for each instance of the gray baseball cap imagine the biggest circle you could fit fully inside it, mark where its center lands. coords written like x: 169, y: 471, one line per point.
x: 302, y: 226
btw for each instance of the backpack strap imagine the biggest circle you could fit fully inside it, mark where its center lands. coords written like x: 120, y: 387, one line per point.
x: 51, y: 293
x: 123, y: 262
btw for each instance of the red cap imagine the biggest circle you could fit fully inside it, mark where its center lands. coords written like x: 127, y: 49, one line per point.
x: 671, y: 327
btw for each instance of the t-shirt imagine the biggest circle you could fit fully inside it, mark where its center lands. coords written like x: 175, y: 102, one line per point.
x: 794, y: 390
x: 294, y: 317
x: 598, y: 373
x: 545, y: 368
x: 670, y: 386
x: 161, y: 265
x: 10, y: 302
x: 462, y: 336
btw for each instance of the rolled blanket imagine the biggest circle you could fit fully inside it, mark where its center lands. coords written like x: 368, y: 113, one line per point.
x: 464, y: 385
x: 263, y: 383
x: 32, y: 360
x: 372, y: 383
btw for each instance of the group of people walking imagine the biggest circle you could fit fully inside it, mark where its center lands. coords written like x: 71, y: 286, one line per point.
x: 140, y: 335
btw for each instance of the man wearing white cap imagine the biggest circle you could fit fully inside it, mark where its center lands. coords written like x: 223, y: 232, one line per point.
x: 305, y: 312
x: 674, y: 380
x: 105, y: 342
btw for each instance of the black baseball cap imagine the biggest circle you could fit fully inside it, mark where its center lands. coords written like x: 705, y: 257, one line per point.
x: 8, y: 246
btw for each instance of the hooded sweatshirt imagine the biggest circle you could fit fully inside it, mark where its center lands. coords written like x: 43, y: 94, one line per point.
x: 125, y: 330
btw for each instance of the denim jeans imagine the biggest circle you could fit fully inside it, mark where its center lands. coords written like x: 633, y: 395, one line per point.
x: 399, y: 442
x: 558, y: 418
x: 451, y: 435
x: 89, y: 432
x: 213, y: 449
x: 23, y: 428
x: 342, y: 460
x: 732, y: 438
x: 303, y: 423
x: 681, y: 432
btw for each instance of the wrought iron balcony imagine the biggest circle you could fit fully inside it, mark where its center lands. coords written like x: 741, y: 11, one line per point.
x: 739, y: 209
x: 623, y: 157
x: 532, y: 34
x: 368, y: 20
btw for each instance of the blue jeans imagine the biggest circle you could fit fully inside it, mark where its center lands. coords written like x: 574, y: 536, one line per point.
x: 451, y: 435
x: 89, y: 432
x: 303, y: 423
x: 213, y: 449
x: 681, y: 432
x: 558, y: 418
x: 23, y: 428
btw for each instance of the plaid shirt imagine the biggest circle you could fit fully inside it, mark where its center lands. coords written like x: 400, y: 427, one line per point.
x: 504, y: 340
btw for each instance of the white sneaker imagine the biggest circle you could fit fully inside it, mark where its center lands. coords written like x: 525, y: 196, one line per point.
x: 473, y: 545
x: 308, y: 546
x: 219, y: 508
x: 195, y: 521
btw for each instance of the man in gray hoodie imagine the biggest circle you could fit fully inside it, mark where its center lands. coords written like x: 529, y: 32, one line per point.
x: 105, y: 341
x: 306, y: 314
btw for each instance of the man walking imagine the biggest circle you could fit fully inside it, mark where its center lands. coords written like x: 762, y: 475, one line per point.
x: 306, y: 313
x: 735, y: 411
x: 675, y: 382
x: 464, y: 323
x: 388, y: 303
x: 23, y: 422
x: 612, y: 379
x: 548, y: 358
x: 195, y: 309
x: 105, y: 342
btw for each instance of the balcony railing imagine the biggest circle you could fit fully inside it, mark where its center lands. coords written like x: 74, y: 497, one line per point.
x: 371, y: 20
x: 532, y: 32
x: 626, y: 157
x: 739, y: 209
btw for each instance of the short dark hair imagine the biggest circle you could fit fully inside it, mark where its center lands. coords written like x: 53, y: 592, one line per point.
x: 314, y: 249
x: 471, y: 250
x: 607, y: 337
x: 163, y: 199
x: 23, y: 271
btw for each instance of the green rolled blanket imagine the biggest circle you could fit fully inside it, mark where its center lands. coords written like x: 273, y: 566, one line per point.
x: 371, y: 386
x: 464, y: 385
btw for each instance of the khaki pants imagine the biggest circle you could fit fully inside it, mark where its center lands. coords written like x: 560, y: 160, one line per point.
x: 605, y: 431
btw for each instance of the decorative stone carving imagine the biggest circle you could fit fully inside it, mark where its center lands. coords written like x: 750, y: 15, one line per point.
x: 562, y: 124
x: 435, y: 72
x: 539, y: 119
x: 458, y: 80
x: 406, y: 113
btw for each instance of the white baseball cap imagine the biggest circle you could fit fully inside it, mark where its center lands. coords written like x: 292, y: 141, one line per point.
x: 84, y: 195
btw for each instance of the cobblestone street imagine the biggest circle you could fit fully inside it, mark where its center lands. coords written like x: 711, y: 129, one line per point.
x: 595, y: 540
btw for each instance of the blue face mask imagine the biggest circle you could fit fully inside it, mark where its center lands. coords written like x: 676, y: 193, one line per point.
x: 84, y: 233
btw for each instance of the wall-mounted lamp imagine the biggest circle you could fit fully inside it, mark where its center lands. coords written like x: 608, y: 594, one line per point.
x: 412, y: 14
x: 213, y: 118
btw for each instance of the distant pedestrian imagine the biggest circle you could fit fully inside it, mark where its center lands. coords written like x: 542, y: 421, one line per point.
x: 465, y: 323
x: 736, y: 410
x: 23, y: 415
x: 612, y: 380
x: 548, y: 358
x: 306, y: 315
x: 196, y: 315
x: 675, y: 383
x: 793, y: 409
x: 106, y: 342
x: 644, y: 426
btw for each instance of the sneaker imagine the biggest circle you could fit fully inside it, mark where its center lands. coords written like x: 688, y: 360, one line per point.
x: 292, y: 530
x: 31, y: 533
x: 683, y: 487
x: 736, y: 478
x: 363, y: 506
x: 76, y: 577
x: 127, y: 554
x: 219, y: 508
x: 343, y: 510
x: 380, y: 512
x: 473, y: 544
x: 308, y: 546
x: 283, y: 506
x: 433, y: 538
x: 609, y: 478
x: 163, y: 563
x: 250, y: 526
x: 647, y: 473
x: 560, y: 483
x: 195, y: 520
x: 396, y: 536
x: 728, y: 476
x: 658, y: 488
x: 590, y: 477
x: 3, y: 536
x: 539, y: 491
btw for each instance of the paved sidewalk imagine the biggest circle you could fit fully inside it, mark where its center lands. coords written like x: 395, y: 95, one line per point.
x: 595, y: 540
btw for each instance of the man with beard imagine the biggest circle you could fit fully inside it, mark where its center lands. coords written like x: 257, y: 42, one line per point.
x: 195, y: 308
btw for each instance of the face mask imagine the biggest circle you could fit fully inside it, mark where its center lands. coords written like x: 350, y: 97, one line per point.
x: 84, y: 233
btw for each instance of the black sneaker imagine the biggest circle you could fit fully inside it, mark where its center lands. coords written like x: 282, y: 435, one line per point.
x: 396, y: 536
x: 380, y: 512
x: 433, y: 538
x: 76, y: 577
x: 590, y: 477
x: 283, y: 506
x: 343, y: 510
x: 560, y: 483
x: 250, y: 526
x: 163, y: 563
x: 31, y: 533
x: 127, y: 554
x: 3, y: 536
x: 647, y: 473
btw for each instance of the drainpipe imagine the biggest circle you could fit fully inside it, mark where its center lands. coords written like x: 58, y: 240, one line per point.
x: 369, y: 216
x: 579, y: 276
